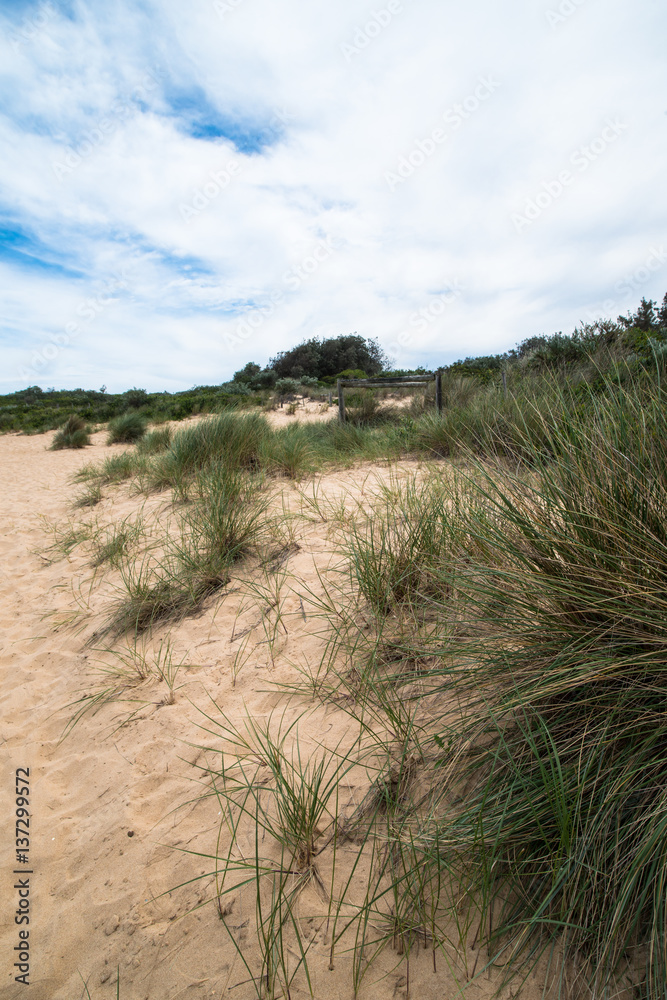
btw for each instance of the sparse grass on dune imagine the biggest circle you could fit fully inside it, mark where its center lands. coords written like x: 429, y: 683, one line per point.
x: 112, y: 470
x: 478, y: 420
x: 112, y: 544
x: 66, y: 537
x: 120, y: 674
x: 88, y: 497
x: 225, y: 518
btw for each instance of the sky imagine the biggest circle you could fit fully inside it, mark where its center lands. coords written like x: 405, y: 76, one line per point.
x: 185, y: 187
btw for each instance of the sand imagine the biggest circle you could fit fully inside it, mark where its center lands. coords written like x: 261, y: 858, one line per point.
x: 118, y: 817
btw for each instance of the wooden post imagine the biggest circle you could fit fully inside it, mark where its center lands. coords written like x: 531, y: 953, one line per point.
x: 438, y: 392
x: 341, y: 402
x: 330, y: 398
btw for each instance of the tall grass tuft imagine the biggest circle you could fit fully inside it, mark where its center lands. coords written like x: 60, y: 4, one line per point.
x: 565, y: 820
x: 73, y: 434
x: 155, y: 442
x: 288, y: 452
x: 126, y: 429
x: 230, y: 439
x: 526, y: 626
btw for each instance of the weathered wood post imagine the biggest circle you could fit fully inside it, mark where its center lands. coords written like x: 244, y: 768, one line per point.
x: 438, y: 392
x: 341, y: 402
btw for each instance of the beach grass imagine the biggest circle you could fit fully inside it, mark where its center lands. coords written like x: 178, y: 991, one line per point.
x: 225, y: 518
x: 495, y: 635
x: 128, y: 428
x: 74, y: 433
x: 521, y: 617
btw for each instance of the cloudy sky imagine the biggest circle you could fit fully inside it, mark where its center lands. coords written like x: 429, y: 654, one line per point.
x: 185, y: 187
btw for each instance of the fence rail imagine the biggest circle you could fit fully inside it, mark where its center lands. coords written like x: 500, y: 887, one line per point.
x: 382, y: 383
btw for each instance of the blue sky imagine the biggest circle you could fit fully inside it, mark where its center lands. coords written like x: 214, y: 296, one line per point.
x: 187, y: 187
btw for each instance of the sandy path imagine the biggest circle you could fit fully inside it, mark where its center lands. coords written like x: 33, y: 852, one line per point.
x: 111, y: 802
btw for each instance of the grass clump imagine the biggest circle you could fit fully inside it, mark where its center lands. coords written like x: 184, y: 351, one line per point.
x: 118, y: 468
x: 89, y: 497
x: 228, y: 439
x: 289, y: 452
x: 113, y: 543
x: 73, y: 434
x: 225, y: 519
x: 127, y: 428
x: 513, y: 625
x: 155, y: 441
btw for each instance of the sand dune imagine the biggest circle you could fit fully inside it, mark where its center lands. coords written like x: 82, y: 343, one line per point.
x: 118, y: 815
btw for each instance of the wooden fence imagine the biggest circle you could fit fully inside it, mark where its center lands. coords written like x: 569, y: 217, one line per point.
x: 385, y: 383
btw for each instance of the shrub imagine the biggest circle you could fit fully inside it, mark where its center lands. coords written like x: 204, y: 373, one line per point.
x: 287, y: 386
x: 126, y: 429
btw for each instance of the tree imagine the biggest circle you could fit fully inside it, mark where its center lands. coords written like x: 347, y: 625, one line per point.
x: 135, y: 397
x: 321, y: 358
x: 247, y: 373
x: 662, y: 313
x: 644, y: 319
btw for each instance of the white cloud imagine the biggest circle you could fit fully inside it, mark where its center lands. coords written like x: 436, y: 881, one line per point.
x: 121, y: 98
